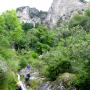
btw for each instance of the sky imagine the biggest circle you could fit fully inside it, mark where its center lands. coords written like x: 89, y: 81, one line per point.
x: 13, y: 4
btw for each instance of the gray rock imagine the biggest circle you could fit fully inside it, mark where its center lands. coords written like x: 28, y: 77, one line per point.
x: 64, y: 9
x: 30, y: 15
x: 63, y: 82
x: 52, y: 86
x: 23, y: 14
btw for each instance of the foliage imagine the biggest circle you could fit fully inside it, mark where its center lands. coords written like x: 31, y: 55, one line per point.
x: 23, y: 63
x: 57, y: 68
x: 10, y: 20
x: 3, y: 75
x: 39, y: 39
x: 82, y: 20
x: 53, y: 52
x: 74, y: 48
x: 27, y: 26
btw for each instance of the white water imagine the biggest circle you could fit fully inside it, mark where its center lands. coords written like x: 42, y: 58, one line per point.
x: 18, y: 77
x: 21, y: 83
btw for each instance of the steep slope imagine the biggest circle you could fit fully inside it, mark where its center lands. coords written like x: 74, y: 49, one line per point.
x: 63, y: 9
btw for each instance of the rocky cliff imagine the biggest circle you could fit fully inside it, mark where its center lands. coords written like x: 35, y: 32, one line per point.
x: 59, y: 10
x: 30, y: 15
x: 63, y: 9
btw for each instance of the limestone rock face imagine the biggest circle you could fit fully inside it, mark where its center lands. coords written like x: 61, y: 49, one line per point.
x: 63, y: 9
x: 23, y: 14
x: 30, y: 15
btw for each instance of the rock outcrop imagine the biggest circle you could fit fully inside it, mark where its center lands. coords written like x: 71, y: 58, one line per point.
x: 63, y: 9
x: 30, y: 15
x: 62, y: 83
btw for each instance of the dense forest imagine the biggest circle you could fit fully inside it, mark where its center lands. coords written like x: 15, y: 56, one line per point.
x: 54, y: 52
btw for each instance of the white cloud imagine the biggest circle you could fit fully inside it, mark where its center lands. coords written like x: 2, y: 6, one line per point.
x: 12, y: 4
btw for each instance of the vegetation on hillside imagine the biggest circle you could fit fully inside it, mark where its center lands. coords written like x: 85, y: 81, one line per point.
x: 53, y: 52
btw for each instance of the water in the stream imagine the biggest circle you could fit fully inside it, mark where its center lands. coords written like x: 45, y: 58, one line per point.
x: 21, y: 83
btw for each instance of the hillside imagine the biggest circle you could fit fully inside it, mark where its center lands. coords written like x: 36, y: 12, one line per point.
x: 52, y: 58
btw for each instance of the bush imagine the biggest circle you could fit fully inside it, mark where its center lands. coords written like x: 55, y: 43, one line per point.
x: 27, y: 26
x: 82, y: 81
x: 23, y: 63
x: 57, y: 68
x: 81, y: 20
x: 7, y: 77
x: 12, y: 80
x: 3, y: 76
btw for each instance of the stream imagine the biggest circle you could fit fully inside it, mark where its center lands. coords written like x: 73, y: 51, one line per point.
x: 21, y: 83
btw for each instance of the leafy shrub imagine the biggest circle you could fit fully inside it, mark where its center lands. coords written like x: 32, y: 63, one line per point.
x: 23, y: 63
x: 27, y: 26
x: 81, y: 20
x: 3, y: 75
x: 12, y: 80
x: 57, y: 68
x: 7, y: 78
x: 34, y: 55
